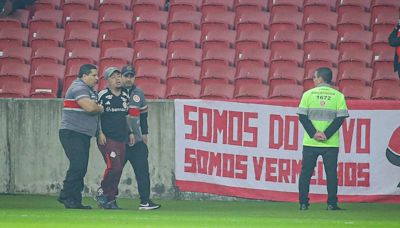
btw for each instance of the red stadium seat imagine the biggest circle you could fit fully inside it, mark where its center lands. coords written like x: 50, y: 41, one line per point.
x: 218, y: 38
x: 324, y: 39
x: 355, y: 40
x: 150, y: 37
x: 252, y: 91
x: 355, y: 57
x: 355, y: 76
x: 384, y: 78
x: 44, y: 86
x: 288, y: 75
x: 251, y: 75
x: 328, y: 57
x: 287, y: 39
x: 14, y: 89
x: 219, y: 20
x: 122, y: 17
x: 155, y: 55
x: 218, y: 74
x: 157, y: 72
x: 389, y: 7
x: 155, y: 3
x: 185, y: 20
x: 217, y: 91
x: 82, y: 56
x: 388, y: 92
x: 357, y: 92
x: 294, y: 56
x: 81, y: 38
x: 184, y: 5
x: 353, y: 21
x: 248, y: 39
x: 15, y: 54
x: 152, y: 91
x: 313, y: 6
x: 382, y: 60
x: 124, y: 54
x: 320, y: 21
x: 16, y: 70
x: 223, y: 55
x: 380, y: 43
x: 189, y: 55
x: 50, y: 69
x: 81, y: 18
x: 155, y: 19
x: 184, y: 91
x: 258, y: 56
x: 353, y: 6
x: 121, y: 37
x: 286, y: 6
x: 47, y: 55
x: 184, y: 38
x: 285, y: 21
x: 7, y: 23
x: 45, y: 18
x: 183, y: 73
x: 384, y: 21
x: 14, y: 36
x: 286, y: 91
x: 219, y: 5
x: 47, y: 37
x: 252, y: 20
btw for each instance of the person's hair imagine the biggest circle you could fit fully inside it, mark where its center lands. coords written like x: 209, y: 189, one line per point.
x: 325, y: 73
x: 85, y: 69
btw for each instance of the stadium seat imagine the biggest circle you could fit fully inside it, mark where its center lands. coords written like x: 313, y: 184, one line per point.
x: 355, y: 76
x: 218, y: 38
x: 121, y: 37
x: 384, y: 78
x: 217, y: 20
x: 223, y: 55
x: 250, y: 5
x: 252, y: 91
x: 380, y: 42
x: 286, y: 91
x: 14, y: 89
x: 152, y: 91
x: 150, y: 37
x: 22, y: 15
x: 7, y: 23
x: 355, y: 40
x: 217, y: 91
x: 389, y: 92
x: 20, y: 70
x: 248, y: 39
x: 15, y: 54
x: 289, y: 75
x: 382, y: 60
x: 47, y: 4
x: 257, y: 56
x: 189, y: 55
x: 291, y: 57
x: 355, y: 57
x: 218, y: 74
x: 324, y: 39
x: 252, y: 20
x: 312, y: 6
x: 384, y: 21
x: 47, y: 38
x: 287, y: 39
x: 155, y: 3
x: 318, y: 21
x: 111, y: 5
x: 251, y: 75
x: 50, y: 69
x: 353, y: 21
x: 357, y: 92
x: 155, y: 19
x: 184, y: 91
x: 285, y: 21
x: 183, y: 73
x: 157, y: 72
x: 184, y: 5
x: 285, y: 6
x: 217, y: 5
x: 352, y: 6
x: 45, y: 18
x: 184, y: 38
x: 118, y: 54
x: 14, y: 37
x: 328, y: 57
x: 185, y: 20
x: 122, y: 17
x: 70, y: 6
x: 82, y: 56
x: 81, y: 38
x: 81, y: 18
x: 155, y: 55
x: 44, y: 86
x: 388, y: 7
x: 47, y: 55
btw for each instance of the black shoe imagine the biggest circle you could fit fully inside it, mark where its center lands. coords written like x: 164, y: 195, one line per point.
x: 72, y: 204
x: 149, y: 205
x: 331, y: 207
x: 112, y: 205
x: 101, y: 199
x: 303, y: 207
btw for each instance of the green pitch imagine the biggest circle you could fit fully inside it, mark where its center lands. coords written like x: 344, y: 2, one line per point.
x: 43, y: 211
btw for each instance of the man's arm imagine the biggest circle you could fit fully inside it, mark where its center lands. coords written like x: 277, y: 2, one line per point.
x: 90, y: 106
x: 308, y: 126
x: 334, y: 126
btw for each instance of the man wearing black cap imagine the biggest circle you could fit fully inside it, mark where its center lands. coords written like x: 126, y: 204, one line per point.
x: 137, y: 153
x: 112, y: 136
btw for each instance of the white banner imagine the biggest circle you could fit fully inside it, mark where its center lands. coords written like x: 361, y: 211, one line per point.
x: 254, y: 151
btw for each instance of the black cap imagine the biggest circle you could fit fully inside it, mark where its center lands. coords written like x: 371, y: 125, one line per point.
x: 128, y: 69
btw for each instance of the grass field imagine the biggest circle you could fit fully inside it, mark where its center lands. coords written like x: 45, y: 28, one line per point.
x: 44, y: 211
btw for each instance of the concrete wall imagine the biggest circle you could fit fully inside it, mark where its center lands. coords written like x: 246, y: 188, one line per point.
x: 32, y: 159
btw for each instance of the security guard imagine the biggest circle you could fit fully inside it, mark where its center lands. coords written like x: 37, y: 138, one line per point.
x: 322, y: 111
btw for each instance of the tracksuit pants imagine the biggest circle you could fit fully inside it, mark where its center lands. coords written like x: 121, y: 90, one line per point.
x: 113, y: 153
x: 330, y: 158
x: 137, y: 155
x: 76, y: 146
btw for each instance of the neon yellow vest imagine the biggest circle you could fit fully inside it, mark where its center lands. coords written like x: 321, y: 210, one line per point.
x: 322, y: 104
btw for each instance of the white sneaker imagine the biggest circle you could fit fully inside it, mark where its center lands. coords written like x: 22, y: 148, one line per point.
x: 149, y: 205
